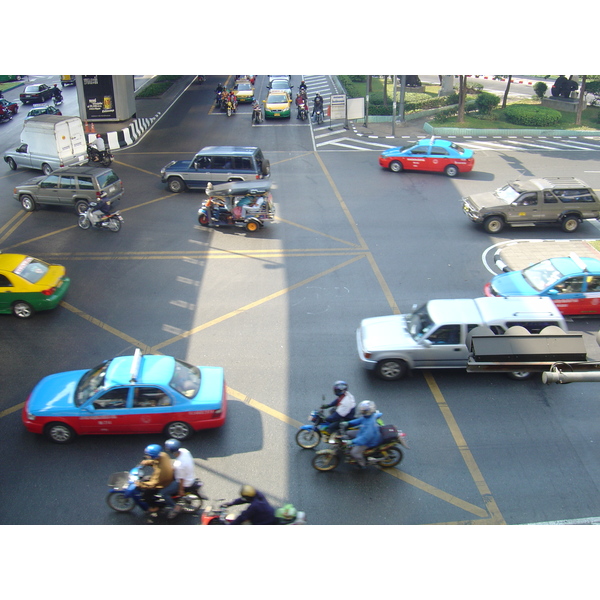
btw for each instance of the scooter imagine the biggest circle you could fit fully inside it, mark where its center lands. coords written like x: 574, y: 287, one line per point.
x: 58, y: 99
x: 105, y: 158
x: 216, y: 515
x: 88, y: 219
x: 256, y: 114
x: 386, y: 455
x: 125, y: 495
x: 309, y: 436
x: 319, y: 116
x: 303, y: 112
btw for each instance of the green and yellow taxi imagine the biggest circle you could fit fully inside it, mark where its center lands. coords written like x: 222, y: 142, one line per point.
x: 243, y: 90
x: 28, y: 284
x: 277, y: 105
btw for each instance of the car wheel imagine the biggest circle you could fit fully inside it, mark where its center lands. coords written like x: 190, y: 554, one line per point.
x: 81, y: 207
x: 493, y: 224
x: 22, y: 309
x: 59, y: 433
x: 391, y: 369
x: 178, y: 430
x: 569, y: 224
x: 519, y: 375
x: 28, y: 203
x: 176, y: 185
x: 396, y: 166
x: 451, y: 170
x: 11, y: 163
x: 46, y: 169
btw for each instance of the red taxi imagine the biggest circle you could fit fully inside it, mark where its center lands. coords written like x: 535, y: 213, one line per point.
x: 432, y: 154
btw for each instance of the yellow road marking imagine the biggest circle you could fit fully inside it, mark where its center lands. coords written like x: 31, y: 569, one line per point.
x: 476, y: 474
x: 12, y: 409
x: 144, y: 347
x: 254, y: 304
x: 19, y: 218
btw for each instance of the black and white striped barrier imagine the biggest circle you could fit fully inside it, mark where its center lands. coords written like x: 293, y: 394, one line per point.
x: 127, y: 136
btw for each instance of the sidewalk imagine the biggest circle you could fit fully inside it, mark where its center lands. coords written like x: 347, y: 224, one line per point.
x: 148, y: 112
x: 516, y: 255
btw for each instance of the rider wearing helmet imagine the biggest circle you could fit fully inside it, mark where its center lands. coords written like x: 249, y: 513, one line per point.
x: 161, y: 480
x: 260, y: 512
x: 368, y: 434
x: 183, y: 465
x: 344, y: 406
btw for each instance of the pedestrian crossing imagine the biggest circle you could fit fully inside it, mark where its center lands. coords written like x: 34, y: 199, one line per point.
x: 333, y: 136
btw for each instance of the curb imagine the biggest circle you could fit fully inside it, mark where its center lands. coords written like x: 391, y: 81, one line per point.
x: 128, y: 136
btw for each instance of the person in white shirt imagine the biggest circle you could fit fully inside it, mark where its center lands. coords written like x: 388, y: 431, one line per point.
x: 183, y: 465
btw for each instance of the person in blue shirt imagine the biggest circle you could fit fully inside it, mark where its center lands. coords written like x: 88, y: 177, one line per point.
x: 368, y: 434
x: 260, y: 512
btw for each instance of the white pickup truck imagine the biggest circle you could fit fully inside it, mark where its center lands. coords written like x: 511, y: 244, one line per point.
x: 434, y: 335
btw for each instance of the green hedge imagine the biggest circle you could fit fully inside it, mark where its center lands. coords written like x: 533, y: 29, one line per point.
x: 531, y: 115
x: 158, y: 87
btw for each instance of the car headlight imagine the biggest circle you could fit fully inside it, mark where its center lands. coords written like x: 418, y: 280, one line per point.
x: 30, y: 417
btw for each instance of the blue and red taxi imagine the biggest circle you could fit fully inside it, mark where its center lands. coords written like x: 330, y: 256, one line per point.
x: 573, y: 283
x: 128, y: 394
x: 432, y: 154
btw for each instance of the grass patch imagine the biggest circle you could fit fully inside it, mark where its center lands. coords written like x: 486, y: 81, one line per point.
x: 158, y: 87
x: 590, y: 119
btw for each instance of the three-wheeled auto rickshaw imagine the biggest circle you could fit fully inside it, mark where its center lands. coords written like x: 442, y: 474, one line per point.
x: 246, y: 204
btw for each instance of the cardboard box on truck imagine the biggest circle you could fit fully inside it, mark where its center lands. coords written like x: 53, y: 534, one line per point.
x: 49, y: 142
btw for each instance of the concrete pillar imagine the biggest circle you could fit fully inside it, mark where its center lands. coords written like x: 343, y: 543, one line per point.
x: 447, y: 85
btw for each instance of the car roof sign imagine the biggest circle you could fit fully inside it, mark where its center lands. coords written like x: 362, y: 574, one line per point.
x: 136, y: 364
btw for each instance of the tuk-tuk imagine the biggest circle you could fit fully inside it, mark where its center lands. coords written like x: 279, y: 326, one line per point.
x: 246, y: 204
x: 67, y: 80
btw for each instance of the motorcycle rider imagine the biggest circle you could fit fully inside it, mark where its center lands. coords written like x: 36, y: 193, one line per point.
x: 317, y: 103
x: 161, y: 481
x: 368, y: 434
x: 300, y: 102
x: 56, y: 93
x: 344, y: 404
x: 302, y: 88
x: 260, y: 512
x: 97, y: 146
x: 183, y: 467
x: 101, y: 210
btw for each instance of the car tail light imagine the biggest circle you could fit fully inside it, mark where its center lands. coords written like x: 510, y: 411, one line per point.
x: 49, y: 291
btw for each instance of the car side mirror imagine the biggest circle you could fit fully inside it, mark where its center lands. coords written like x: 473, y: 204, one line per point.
x: 89, y: 408
x: 425, y: 343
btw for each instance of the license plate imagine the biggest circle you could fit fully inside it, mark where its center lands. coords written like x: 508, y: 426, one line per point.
x: 111, y: 189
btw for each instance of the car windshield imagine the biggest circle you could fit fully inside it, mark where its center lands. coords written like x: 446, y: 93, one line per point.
x: 280, y: 84
x: 419, y: 322
x: 277, y: 98
x: 541, y: 275
x: 507, y: 193
x: 243, y: 87
x: 105, y: 179
x: 31, y: 89
x: 31, y: 269
x: 90, y: 383
x: 186, y: 379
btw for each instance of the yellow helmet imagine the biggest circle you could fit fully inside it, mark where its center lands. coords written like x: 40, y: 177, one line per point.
x: 248, y: 492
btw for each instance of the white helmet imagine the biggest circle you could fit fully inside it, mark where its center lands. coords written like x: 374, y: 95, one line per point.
x: 367, y: 408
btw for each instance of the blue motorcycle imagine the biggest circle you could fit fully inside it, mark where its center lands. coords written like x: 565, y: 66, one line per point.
x: 125, y: 495
x: 309, y: 436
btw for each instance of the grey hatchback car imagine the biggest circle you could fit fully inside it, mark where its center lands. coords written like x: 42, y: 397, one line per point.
x: 70, y: 186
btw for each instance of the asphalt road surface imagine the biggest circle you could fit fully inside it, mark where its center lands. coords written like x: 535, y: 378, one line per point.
x: 278, y: 309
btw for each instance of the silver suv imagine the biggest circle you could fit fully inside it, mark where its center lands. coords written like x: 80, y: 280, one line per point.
x: 70, y: 186
x: 563, y: 200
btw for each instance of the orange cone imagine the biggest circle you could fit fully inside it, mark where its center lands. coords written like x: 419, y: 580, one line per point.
x: 87, y: 127
x: 92, y: 129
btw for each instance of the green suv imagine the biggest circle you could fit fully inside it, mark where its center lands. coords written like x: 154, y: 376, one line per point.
x: 70, y: 186
x: 563, y: 200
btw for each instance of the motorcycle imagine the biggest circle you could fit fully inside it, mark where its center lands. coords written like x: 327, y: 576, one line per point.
x: 105, y: 158
x: 125, y: 495
x: 309, y: 436
x: 257, y: 116
x: 386, y: 455
x: 319, y: 116
x: 112, y: 222
x: 58, y: 99
x: 217, y: 515
x: 303, y: 112
x: 230, y: 106
x: 200, y: 78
